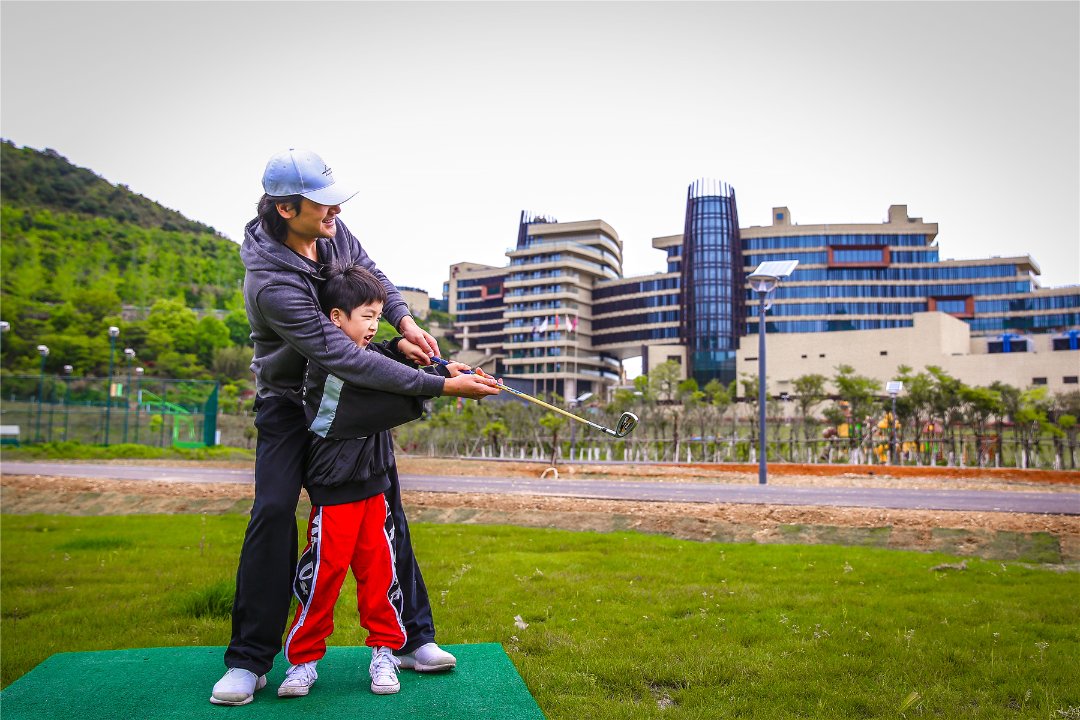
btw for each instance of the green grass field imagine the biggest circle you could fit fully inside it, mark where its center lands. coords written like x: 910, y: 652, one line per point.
x: 611, y: 626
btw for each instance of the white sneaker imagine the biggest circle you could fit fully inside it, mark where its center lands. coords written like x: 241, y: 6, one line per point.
x: 384, y: 680
x: 429, y: 657
x: 298, y: 680
x: 237, y: 687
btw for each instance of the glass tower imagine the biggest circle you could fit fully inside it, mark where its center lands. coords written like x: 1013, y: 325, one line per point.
x: 711, y: 276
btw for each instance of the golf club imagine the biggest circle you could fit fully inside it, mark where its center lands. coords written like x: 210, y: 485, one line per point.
x: 626, y: 424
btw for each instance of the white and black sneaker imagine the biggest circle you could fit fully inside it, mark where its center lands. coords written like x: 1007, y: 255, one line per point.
x: 298, y: 680
x: 383, y: 669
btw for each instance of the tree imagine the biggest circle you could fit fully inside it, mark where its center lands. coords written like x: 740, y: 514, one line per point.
x: 664, y: 380
x: 861, y: 395
x: 493, y: 431
x: 553, y: 423
x: 211, y: 335
x: 1009, y: 407
x: 947, y: 403
x: 977, y: 404
x: 232, y: 363
x: 171, y: 327
x: 809, y: 392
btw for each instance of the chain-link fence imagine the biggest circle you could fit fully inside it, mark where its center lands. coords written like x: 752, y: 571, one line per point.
x: 145, y: 411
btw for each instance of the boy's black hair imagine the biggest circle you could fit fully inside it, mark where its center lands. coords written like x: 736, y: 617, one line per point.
x: 271, y: 219
x: 348, y: 287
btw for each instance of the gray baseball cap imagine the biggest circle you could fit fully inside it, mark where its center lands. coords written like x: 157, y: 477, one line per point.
x: 302, y: 172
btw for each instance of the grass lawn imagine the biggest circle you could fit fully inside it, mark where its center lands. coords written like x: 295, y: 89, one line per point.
x: 611, y: 626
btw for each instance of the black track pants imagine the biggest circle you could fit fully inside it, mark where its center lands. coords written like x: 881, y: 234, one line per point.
x: 268, y: 557
x: 416, y: 610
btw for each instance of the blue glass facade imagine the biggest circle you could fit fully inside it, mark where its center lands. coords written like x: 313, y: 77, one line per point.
x: 712, y: 280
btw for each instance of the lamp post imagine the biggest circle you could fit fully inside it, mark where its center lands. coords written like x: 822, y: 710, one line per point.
x: 763, y: 281
x: 893, y: 387
x: 114, y: 332
x: 129, y: 355
x: 138, y: 400
x: 68, y: 369
x: 43, y: 351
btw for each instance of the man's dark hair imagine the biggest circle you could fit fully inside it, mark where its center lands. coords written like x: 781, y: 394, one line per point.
x: 271, y: 219
x: 348, y: 287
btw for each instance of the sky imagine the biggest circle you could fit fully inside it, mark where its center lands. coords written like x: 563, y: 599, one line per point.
x: 451, y: 118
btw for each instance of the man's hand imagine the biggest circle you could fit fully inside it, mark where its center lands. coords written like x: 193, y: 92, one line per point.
x: 413, y: 352
x: 423, y: 341
x: 470, y: 386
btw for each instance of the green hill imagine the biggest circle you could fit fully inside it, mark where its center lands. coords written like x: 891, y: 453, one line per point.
x: 45, y: 179
x: 80, y: 254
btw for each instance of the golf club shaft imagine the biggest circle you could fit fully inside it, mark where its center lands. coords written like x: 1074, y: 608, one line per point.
x: 541, y: 403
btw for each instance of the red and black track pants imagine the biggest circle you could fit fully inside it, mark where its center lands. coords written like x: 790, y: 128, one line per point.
x: 358, y: 535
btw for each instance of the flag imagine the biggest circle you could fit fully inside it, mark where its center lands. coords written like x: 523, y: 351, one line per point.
x: 556, y: 322
x: 543, y: 326
x: 574, y: 328
x: 569, y: 326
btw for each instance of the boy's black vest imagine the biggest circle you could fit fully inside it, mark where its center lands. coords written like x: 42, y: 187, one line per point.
x: 351, y: 448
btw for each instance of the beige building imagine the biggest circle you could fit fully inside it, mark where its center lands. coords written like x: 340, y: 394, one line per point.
x: 419, y: 301
x: 535, y: 316
x: 936, y: 338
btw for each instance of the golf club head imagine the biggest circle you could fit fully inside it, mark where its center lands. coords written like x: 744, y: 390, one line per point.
x: 627, y: 422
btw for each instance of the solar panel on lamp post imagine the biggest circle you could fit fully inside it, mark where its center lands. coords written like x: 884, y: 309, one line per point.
x: 763, y: 281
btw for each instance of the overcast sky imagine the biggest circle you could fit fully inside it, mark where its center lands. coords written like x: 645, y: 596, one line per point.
x: 451, y: 118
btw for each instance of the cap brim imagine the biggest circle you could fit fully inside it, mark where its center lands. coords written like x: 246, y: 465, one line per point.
x: 331, y: 195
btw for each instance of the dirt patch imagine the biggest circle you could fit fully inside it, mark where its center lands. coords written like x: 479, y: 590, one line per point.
x: 1053, y: 539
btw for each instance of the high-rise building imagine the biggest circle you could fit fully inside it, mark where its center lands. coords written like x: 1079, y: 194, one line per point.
x: 561, y: 316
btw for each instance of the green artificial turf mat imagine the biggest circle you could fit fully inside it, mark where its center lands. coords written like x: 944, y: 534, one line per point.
x: 175, y: 682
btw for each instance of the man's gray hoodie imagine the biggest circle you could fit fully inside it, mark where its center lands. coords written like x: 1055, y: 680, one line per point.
x: 288, y: 328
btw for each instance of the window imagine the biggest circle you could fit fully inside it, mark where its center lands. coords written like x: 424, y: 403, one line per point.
x: 1066, y: 343
x: 803, y: 357
x: 675, y: 359
x: 779, y: 216
x: 883, y: 352
x: 954, y: 307
x: 1071, y: 380
x: 821, y: 355
x: 1038, y: 381
x: 1000, y: 346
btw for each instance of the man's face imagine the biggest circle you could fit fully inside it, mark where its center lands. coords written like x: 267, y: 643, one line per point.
x: 361, y: 324
x: 312, y: 221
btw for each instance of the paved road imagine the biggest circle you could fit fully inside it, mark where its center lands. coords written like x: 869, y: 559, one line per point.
x: 1054, y: 503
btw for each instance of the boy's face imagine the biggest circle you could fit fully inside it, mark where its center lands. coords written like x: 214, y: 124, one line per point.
x: 361, y: 324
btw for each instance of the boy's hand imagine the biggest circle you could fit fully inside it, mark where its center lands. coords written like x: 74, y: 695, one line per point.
x: 457, y: 368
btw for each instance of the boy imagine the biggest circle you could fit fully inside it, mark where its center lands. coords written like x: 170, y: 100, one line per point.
x: 349, y: 466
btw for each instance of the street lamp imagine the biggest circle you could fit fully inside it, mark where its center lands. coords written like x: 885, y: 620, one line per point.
x: 68, y: 369
x: 138, y: 400
x: 114, y: 332
x: 43, y: 351
x: 893, y: 387
x: 129, y: 355
x: 763, y: 281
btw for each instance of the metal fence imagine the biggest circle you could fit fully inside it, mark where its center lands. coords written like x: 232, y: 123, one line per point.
x: 161, y: 412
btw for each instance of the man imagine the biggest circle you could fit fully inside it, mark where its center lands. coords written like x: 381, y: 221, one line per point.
x: 296, y: 233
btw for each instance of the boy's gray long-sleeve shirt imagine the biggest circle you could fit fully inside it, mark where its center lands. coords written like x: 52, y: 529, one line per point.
x: 288, y: 328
